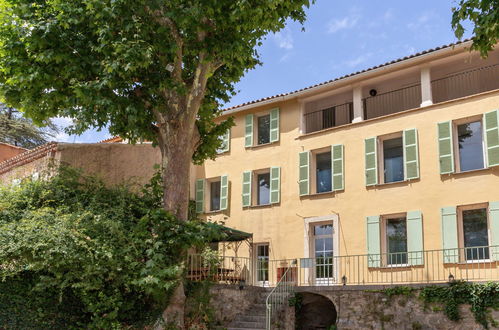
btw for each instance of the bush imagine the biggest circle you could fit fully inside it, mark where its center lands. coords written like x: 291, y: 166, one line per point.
x: 111, y: 254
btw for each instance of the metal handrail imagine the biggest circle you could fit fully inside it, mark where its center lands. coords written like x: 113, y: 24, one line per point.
x: 274, y: 299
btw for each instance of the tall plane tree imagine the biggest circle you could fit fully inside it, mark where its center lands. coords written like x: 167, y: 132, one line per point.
x: 150, y: 69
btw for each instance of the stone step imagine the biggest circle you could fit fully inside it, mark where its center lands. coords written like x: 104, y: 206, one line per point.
x: 249, y: 325
x: 252, y: 318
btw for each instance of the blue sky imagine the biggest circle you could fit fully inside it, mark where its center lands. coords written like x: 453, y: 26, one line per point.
x: 340, y: 37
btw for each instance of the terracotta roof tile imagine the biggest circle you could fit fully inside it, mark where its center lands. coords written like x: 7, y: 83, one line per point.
x: 28, y: 156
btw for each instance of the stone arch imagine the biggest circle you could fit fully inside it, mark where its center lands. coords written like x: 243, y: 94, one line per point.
x: 316, y: 312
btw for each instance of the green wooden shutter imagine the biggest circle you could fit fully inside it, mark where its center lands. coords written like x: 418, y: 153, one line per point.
x: 274, y: 125
x: 248, y: 131
x: 491, y: 125
x: 445, y: 147
x: 415, y: 238
x: 337, y: 162
x: 247, y: 188
x: 200, y: 195
x: 411, y: 154
x: 373, y: 242
x: 304, y: 173
x: 371, y: 156
x: 275, y: 185
x: 225, y: 147
x: 494, y: 230
x: 449, y: 234
x: 224, y: 192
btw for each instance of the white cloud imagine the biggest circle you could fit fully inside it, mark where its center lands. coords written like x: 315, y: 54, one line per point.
x: 388, y: 15
x: 347, y: 22
x: 284, y: 39
x: 358, y: 60
x: 423, y: 21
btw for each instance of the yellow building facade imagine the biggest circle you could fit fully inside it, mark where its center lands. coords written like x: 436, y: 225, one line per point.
x: 389, y: 175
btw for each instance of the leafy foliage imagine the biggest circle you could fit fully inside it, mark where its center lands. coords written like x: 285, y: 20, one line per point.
x: 134, y: 63
x: 480, y: 296
x: 22, y: 132
x: 110, y: 254
x: 484, y: 15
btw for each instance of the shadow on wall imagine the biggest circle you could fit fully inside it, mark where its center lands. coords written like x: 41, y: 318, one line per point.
x: 315, y: 312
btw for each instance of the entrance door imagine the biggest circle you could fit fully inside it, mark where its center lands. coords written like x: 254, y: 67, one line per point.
x: 262, y: 264
x: 323, y: 254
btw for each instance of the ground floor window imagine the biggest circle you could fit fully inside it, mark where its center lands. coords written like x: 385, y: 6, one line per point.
x: 262, y: 263
x: 323, y: 249
x: 396, y: 240
x: 474, y: 232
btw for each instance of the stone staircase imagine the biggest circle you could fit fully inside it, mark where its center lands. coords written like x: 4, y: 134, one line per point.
x: 253, y: 318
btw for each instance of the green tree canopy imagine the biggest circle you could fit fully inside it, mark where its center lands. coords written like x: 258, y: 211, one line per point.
x: 484, y: 16
x: 22, y: 132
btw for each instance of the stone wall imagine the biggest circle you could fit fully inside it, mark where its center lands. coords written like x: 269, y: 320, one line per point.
x: 367, y: 308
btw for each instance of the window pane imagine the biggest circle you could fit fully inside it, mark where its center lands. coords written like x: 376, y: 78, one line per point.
x: 215, y: 196
x: 396, y: 241
x: 393, y: 159
x: 262, y: 270
x: 264, y: 129
x: 470, y: 146
x: 323, y: 163
x: 323, y: 230
x: 476, y: 237
x: 263, y: 189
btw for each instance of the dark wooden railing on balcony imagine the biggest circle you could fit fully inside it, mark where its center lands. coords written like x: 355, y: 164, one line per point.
x: 392, y: 102
x: 465, y: 83
x: 325, y: 118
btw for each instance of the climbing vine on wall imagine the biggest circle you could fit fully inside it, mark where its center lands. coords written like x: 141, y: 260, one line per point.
x: 480, y: 296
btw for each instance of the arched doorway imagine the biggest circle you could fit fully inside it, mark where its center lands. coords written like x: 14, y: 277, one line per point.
x: 315, y: 312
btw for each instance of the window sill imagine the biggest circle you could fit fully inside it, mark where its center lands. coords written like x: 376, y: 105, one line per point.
x: 390, y: 184
x: 464, y: 173
x: 326, y: 193
x: 262, y: 145
x: 261, y: 206
x: 214, y: 212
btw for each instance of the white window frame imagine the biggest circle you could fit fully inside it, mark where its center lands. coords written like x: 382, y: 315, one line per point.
x: 381, y: 155
x: 384, y: 239
x: 455, y: 142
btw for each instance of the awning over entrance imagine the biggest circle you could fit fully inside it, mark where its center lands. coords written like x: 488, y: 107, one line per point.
x: 230, y: 234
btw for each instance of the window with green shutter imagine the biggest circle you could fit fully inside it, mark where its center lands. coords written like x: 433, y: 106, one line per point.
x: 415, y: 238
x: 491, y: 125
x: 373, y: 241
x: 274, y: 125
x: 338, y: 166
x: 224, y: 192
x: 246, y: 195
x: 200, y: 183
x: 371, y: 161
x: 248, y: 131
x: 445, y: 147
x: 275, y: 185
x: 449, y: 234
x: 304, y: 173
x: 411, y: 154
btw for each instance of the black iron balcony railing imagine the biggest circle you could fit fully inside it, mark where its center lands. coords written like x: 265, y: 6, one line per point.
x: 480, y: 263
x: 465, y: 83
x: 392, y: 102
x: 334, y: 116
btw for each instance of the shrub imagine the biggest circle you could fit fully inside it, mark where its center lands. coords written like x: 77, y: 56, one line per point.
x: 113, y: 255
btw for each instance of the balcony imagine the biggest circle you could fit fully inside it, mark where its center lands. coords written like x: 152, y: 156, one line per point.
x: 448, y: 84
x: 430, y: 266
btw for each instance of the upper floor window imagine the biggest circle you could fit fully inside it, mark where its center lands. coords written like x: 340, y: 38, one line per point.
x: 213, y: 192
x: 469, y: 144
x: 392, y: 157
x: 261, y: 187
x: 321, y: 170
x: 262, y: 128
x: 225, y: 143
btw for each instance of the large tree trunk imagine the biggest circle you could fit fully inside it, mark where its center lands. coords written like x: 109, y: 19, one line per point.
x: 176, y: 159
